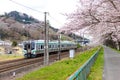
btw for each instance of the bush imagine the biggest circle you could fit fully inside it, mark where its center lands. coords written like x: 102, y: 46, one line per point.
x: 78, y: 45
x: 14, y: 43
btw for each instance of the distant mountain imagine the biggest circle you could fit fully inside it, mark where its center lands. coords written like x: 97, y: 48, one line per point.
x: 22, y: 17
x: 20, y: 26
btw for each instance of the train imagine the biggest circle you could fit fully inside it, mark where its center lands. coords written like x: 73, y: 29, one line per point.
x: 35, y: 47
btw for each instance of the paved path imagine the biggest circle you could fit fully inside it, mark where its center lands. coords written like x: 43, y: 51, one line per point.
x: 111, y: 65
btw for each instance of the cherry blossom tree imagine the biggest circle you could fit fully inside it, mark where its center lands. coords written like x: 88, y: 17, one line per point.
x: 100, y: 17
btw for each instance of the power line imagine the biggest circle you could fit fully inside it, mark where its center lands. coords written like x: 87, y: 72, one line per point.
x: 54, y: 19
x: 35, y: 10
x: 26, y: 6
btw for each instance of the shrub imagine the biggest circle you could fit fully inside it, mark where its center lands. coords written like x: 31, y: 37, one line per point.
x: 14, y: 43
x: 78, y: 45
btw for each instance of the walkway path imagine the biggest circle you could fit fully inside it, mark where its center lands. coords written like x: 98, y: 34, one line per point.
x: 111, y: 65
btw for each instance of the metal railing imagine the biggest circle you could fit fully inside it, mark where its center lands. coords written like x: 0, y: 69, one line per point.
x: 82, y: 72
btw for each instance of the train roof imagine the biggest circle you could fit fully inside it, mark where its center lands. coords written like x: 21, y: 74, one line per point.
x: 54, y: 42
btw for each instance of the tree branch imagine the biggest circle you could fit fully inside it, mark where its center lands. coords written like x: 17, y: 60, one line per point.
x: 113, y: 21
x: 94, y: 17
x: 111, y: 1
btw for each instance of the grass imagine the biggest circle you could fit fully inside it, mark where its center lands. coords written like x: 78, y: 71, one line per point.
x: 97, y: 68
x: 61, y: 69
x: 115, y: 50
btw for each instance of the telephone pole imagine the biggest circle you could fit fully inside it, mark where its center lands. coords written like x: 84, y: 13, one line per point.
x: 59, y: 43
x: 46, y: 54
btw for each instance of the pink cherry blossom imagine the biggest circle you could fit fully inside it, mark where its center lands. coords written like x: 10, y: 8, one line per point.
x: 100, y: 17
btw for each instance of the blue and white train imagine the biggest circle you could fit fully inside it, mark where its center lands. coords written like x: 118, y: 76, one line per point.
x: 32, y: 48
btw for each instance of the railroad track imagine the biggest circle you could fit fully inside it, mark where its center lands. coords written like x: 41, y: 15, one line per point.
x: 15, y: 64
x: 10, y: 61
x: 10, y: 66
x: 18, y: 64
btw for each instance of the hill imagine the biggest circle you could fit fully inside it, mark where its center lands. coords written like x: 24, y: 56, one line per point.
x: 20, y: 26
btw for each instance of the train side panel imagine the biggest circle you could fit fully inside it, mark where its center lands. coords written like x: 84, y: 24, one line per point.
x: 33, y: 48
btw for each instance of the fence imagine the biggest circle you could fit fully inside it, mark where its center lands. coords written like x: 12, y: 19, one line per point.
x: 81, y: 74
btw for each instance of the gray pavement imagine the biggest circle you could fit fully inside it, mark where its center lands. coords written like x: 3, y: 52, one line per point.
x: 111, y: 65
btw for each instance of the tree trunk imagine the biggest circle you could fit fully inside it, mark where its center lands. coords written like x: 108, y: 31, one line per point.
x: 117, y: 45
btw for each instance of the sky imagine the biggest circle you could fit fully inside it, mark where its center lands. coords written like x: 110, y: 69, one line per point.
x: 55, y: 8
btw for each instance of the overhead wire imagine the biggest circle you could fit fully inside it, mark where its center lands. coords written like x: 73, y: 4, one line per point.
x: 26, y: 6
x: 54, y: 19
x: 35, y: 10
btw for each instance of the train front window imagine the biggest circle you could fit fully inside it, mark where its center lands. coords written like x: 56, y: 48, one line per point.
x: 32, y: 45
x: 27, y: 46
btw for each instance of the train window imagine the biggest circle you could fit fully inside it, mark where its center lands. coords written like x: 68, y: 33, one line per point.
x: 49, y: 46
x: 32, y: 45
x: 42, y: 46
x: 37, y: 46
x: 62, y: 45
x: 67, y: 45
x: 55, y: 46
x: 27, y: 46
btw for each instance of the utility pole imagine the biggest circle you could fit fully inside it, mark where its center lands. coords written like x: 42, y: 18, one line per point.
x: 46, y: 54
x: 59, y: 42
x: 83, y: 38
x: 0, y: 37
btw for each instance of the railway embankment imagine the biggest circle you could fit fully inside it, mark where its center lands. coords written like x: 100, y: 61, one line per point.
x: 62, y: 69
x: 13, y: 68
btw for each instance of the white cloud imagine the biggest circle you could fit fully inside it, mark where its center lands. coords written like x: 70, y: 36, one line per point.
x: 54, y: 7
